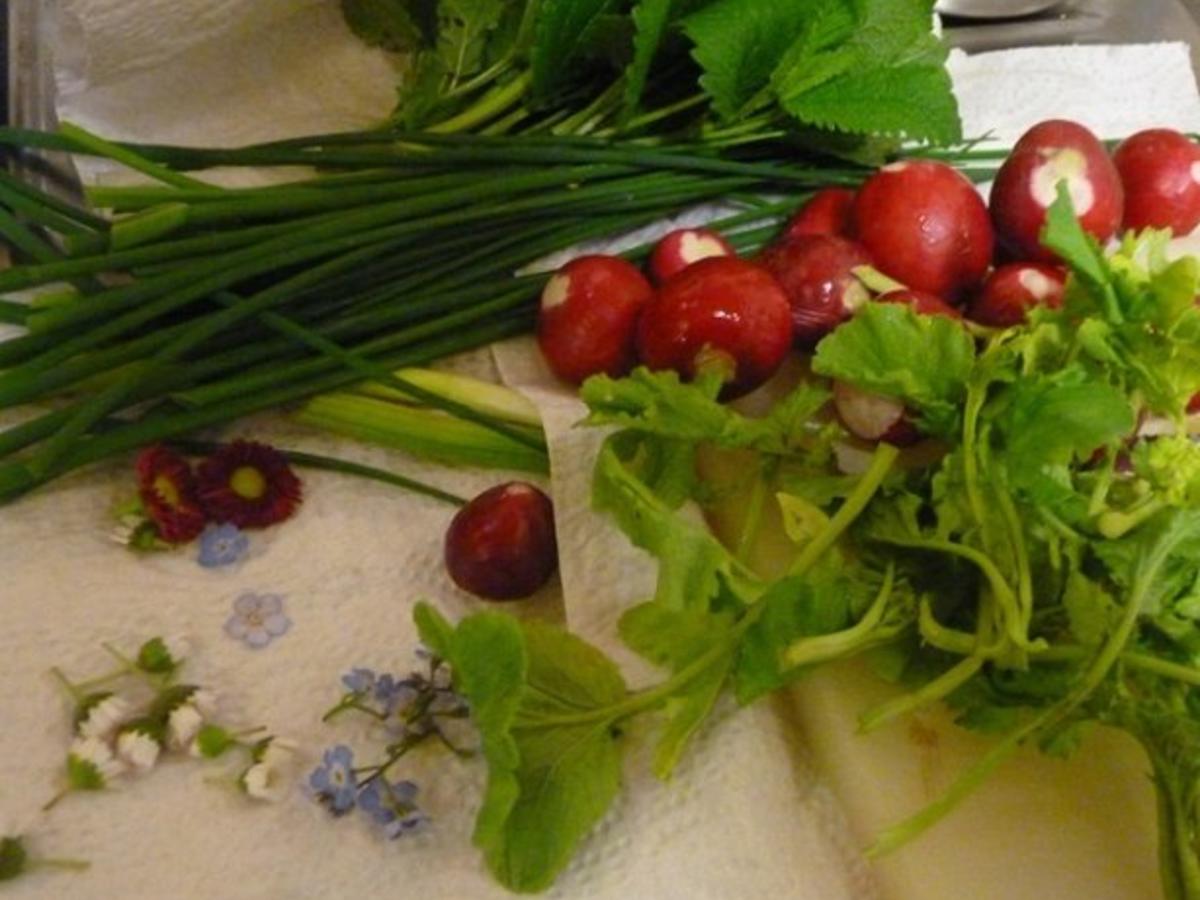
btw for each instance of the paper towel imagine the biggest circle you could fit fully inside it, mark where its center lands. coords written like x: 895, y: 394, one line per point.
x: 744, y: 816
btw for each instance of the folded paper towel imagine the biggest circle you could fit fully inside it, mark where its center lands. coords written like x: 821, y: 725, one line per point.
x: 744, y: 816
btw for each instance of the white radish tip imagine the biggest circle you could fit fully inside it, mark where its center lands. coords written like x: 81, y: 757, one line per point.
x: 518, y: 489
x: 1039, y: 286
x: 855, y: 296
x: 1195, y: 170
x: 556, y: 291
x: 1063, y: 164
x: 695, y: 246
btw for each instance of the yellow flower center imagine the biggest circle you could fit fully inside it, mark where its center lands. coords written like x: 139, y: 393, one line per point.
x: 247, y: 482
x: 165, y: 488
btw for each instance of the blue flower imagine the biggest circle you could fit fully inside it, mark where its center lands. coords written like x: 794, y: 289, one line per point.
x: 413, y: 823
x: 222, y: 545
x: 257, y: 619
x: 395, y: 696
x: 360, y: 681
x: 394, y: 806
x: 334, y: 781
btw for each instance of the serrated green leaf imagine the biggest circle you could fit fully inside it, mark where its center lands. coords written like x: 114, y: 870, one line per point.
x: 738, y: 44
x: 913, y: 101
x: 560, y: 38
x: 650, y: 21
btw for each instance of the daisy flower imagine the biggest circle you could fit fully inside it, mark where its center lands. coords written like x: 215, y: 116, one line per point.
x: 248, y: 484
x: 168, y: 492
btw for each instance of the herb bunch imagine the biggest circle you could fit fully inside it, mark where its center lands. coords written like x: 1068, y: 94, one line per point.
x: 1039, y: 574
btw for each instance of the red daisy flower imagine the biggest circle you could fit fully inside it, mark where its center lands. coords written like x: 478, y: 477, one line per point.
x: 168, y: 493
x: 248, y: 484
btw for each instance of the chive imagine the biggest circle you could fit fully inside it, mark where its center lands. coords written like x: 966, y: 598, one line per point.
x: 428, y: 433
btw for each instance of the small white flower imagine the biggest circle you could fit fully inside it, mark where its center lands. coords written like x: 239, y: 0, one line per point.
x: 267, y: 779
x: 183, y: 724
x: 138, y: 750
x: 104, y: 718
x: 98, y: 756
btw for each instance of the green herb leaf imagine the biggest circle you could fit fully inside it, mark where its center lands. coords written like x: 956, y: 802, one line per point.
x: 154, y: 657
x: 546, y: 704
x: 679, y: 639
x: 659, y: 403
x: 13, y: 858
x: 213, y: 740
x: 692, y: 563
x: 650, y: 21
x: 889, y: 349
x: 387, y: 24
x: 1051, y: 420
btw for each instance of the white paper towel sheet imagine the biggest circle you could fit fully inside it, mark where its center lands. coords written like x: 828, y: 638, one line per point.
x: 744, y: 816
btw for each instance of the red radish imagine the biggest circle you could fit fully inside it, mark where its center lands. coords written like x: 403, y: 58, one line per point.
x: 588, y: 317
x: 1027, y: 183
x: 873, y: 417
x: 922, y: 302
x: 721, y: 314
x: 925, y: 226
x: 1013, y: 289
x: 680, y: 248
x: 830, y: 211
x: 1160, y: 170
x: 817, y: 273
x: 501, y: 545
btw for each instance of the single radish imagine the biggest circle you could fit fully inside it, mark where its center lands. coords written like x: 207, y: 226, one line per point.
x: 926, y: 226
x: 588, y: 317
x: 501, y: 544
x: 873, y: 417
x: 922, y: 302
x: 1013, y: 289
x: 722, y: 314
x: 1027, y: 183
x: 1160, y: 171
x: 678, y: 249
x: 817, y: 273
x: 830, y: 211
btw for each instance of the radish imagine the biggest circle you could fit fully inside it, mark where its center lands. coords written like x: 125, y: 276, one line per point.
x: 925, y: 225
x: 1160, y: 171
x: 922, y: 302
x: 1027, y: 183
x: 1011, y: 290
x: 678, y: 249
x: 588, y: 316
x: 873, y: 417
x: 722, y: 314
x: 817, y: 273
x: 830, y: 211
x: 501, y: 545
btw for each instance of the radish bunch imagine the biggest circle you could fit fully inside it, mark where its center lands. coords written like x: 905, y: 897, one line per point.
x: 709, y: 313
x: 917, y: 231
